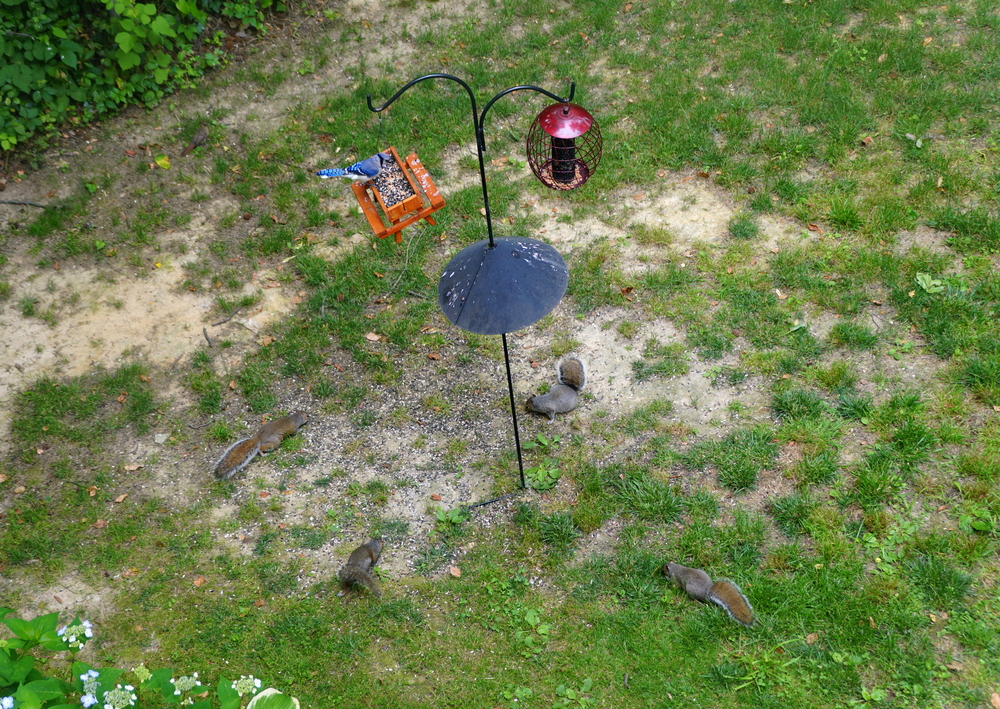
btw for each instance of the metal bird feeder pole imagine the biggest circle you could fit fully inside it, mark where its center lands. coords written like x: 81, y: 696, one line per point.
x: 496, y: 286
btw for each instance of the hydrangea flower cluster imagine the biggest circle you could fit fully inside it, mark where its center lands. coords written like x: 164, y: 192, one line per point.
x: 120, y: 697
x: 72, y: 634
x: 184, y: 684
x: 90, y: 685
x: 246, y: 684
x: 142, y: 674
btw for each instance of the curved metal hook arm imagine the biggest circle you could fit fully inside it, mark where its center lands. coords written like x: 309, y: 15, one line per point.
x: 572, y: 91
x: 403, y: 90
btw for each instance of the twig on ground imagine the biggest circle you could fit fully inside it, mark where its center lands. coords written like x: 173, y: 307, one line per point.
x: 26, y: 204
x: 216, y: 324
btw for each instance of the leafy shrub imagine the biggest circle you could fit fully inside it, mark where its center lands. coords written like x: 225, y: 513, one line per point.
x: 74, y: 60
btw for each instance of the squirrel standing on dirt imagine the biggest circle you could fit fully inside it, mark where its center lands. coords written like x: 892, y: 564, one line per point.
x: 722, y: 593
x: 563, y: 397
x: 269, y: 437
x: 357, y: 570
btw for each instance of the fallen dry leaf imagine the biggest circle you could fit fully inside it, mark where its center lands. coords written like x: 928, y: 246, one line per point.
x: 121, y: 498
x: 455, y: 571
x: 433, y: 355
x: 372, y: 337
x: 20, y: 490
x: 436, y: 497
x: 58, y: 600
x: 92, y: 490
x: 129, y: 573
x: 100, y: 524
x: 995, y: 700
x: 259, y: 603
x: 265, y: 494
x: 3, y: 478
x: 199, y: 582
x: 811, y: 638
x: 814, y: 227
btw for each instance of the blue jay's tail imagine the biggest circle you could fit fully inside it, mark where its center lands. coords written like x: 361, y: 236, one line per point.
x: 333, y: 172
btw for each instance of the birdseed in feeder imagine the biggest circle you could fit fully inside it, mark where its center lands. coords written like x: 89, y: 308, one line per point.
x: 392, y: 184
x: 563, y: 179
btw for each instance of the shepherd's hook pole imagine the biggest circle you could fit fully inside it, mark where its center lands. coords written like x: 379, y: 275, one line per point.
x: 478, y: 123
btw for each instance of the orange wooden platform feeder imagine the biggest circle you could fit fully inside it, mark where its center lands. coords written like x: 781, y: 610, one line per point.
x: 405, y: 192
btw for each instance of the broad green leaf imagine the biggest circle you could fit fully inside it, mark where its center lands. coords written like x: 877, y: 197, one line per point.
x: 27, y: 699
x: 125, y: 40
x: 163, y: 161
x: 228, y: 698
x: 271, y: 698
x: 14, y: 671
x: 161, y: 26
x: 128, y: 60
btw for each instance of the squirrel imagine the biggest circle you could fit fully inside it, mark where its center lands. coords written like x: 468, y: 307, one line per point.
x: 572, y: 375
x: 723, y: 592
x: 269, y: 437
x: 357, y: 570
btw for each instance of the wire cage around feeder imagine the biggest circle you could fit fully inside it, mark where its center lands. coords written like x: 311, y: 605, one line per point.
x: 564, y: 146
x: 403, y: 192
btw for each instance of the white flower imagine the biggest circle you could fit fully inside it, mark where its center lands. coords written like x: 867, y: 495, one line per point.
x: 88, y: 700
x: 184, y: 684
x: 246, y: 684
x: 6, y: 702
x: 120, y: 697
x: 90, y: 684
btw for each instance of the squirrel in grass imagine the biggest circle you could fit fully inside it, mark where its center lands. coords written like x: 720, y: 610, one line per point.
x: 572, y: 375
x: 357, y: 570
x: 269, y: 437
x: 723, y: 592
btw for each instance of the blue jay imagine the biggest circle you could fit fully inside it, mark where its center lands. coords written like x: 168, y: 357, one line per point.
x: 359, y: 171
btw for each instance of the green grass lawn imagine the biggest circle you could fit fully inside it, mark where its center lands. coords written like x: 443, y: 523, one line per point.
x: 873, y: 573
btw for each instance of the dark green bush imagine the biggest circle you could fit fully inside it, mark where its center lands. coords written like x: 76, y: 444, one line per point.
x: 74, y: 60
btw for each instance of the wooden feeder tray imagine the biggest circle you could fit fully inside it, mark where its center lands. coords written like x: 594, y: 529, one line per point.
x: 404, y: 191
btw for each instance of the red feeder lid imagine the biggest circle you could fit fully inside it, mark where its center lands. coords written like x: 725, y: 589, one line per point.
x: 565, y: 120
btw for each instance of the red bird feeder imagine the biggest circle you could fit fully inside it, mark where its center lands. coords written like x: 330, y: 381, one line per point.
x: 564, y: 146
